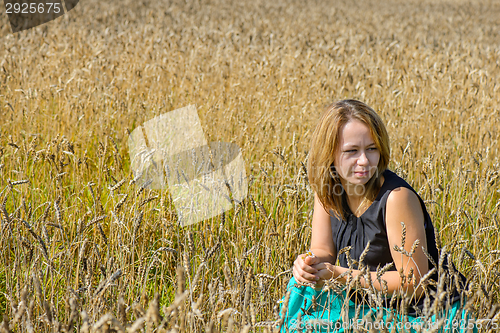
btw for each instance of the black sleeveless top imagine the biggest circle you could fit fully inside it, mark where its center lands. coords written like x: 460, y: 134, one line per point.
x: 370, y: 226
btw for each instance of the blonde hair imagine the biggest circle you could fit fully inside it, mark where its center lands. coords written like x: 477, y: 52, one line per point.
x: 324, y: 145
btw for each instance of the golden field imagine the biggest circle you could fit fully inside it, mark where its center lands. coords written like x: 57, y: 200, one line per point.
x: 79, y: 253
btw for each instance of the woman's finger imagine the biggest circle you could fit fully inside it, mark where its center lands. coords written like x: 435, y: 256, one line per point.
x: 324, y: 274
x: 305, y: 267
x: 311, y: 260
x: 297, y: 276
x: 327, y: 272
x: 321, y: 265
x: 308, y: 269
x: 305, y: 276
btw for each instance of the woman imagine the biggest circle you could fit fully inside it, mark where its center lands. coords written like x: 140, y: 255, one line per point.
x: 359, y: 206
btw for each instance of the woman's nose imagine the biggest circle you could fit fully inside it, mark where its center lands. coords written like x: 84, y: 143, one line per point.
x: 362, y: 158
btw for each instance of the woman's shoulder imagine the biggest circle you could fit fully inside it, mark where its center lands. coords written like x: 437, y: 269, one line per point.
x: 401, y: 196
x: 396, y: 190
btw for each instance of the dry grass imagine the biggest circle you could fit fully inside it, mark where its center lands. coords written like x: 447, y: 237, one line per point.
x: 81, y: 248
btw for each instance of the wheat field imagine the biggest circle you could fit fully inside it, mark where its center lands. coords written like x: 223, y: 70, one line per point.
x: 84, y: 249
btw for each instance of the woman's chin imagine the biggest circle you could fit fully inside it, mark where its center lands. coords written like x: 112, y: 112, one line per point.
x: 358, y: 181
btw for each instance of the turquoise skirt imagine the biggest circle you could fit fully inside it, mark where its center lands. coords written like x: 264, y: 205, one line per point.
x: 327, y: 311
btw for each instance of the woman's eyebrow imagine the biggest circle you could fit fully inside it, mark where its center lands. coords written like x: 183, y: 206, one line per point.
x: 349, y: 145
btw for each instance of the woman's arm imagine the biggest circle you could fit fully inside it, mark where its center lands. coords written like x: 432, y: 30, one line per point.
x: 402, y: 206
x: 393, y: 279
x: 321, y: 239
x: 321, y: 245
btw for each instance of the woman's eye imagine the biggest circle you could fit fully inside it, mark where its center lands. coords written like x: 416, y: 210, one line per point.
x: 373, y: 148
x: 351, y: 151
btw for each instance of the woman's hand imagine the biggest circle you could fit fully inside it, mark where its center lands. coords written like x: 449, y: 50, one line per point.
x: 325, y: 270
x: 303, y: 270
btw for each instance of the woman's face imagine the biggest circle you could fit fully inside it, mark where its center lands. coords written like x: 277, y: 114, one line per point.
x: 357, y: 156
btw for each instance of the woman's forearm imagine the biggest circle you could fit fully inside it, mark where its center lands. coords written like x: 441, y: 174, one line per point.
x: 323, y: 255
x: 392, y: 278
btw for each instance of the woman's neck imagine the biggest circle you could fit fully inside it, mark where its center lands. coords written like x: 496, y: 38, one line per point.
x: 355, y: 198
x: 354, y: 203
x: 354, y: 192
